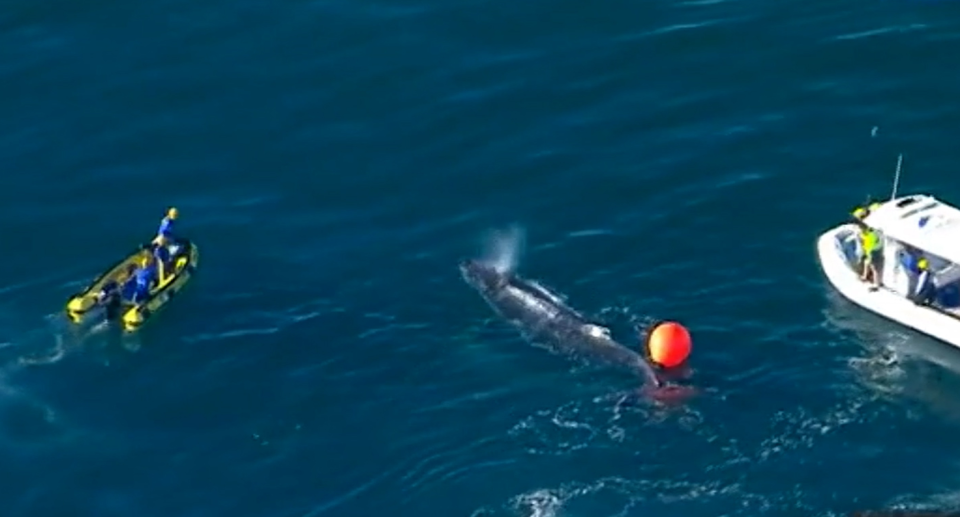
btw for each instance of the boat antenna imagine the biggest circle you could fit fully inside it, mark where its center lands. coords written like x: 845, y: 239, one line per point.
x: 896, y: 178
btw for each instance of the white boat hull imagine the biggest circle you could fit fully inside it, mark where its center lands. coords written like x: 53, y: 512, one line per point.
x: 836, y: 254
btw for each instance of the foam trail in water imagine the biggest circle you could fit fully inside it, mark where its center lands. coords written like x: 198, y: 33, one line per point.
x: 67, y: 338
x: 505, y: 247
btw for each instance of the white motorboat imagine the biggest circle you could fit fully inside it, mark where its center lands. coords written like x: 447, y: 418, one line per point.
x: 921, y: 223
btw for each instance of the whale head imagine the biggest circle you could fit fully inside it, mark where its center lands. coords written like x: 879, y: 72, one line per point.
x: 483, y: 277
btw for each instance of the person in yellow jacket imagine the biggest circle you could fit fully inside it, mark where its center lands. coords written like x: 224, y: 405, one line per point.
x: 870, y: 258
x: 861, y: 212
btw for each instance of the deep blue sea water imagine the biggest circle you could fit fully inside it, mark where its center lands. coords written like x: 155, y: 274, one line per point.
x: 334, y: 160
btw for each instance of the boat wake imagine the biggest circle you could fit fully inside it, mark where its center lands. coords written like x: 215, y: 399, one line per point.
x: 667, y: 448
x: 898, y: 364
x: 66, y: 339
x: 26, y: 421
x: 627, y: 496
x: 599, y: 424
x: 57, y: 338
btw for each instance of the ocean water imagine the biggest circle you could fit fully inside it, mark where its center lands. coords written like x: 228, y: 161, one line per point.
x: 335, y: 159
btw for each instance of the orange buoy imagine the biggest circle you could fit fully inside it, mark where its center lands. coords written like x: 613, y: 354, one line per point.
x: 669, y: 344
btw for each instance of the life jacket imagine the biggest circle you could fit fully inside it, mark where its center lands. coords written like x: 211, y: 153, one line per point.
x: 869, y: 240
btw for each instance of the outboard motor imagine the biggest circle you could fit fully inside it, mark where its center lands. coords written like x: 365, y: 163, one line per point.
x: 110, y: 299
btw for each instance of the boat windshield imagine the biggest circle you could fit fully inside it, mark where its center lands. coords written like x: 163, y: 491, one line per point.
x: 938, y: 264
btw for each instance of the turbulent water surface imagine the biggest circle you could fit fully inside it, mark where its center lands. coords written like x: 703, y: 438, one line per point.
x: 334, y: 160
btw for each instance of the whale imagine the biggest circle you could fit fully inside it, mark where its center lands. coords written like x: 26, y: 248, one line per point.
x: 544, y: 317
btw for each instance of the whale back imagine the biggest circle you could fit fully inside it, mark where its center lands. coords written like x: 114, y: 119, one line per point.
x: 543, y: 316
x: 557, y: 304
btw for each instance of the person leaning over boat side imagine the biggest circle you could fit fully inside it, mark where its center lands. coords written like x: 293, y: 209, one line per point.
x: 870, y: 243
x: 926, y: 289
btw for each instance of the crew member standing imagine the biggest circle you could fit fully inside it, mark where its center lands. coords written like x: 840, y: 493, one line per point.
x: 166, y: 227
x: 870, y: 260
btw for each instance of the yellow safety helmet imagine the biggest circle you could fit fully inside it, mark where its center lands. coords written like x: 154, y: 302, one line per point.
x: 874, y: 206
x: 860, y: 213
x: 922, y: 263
x: 172, y: 212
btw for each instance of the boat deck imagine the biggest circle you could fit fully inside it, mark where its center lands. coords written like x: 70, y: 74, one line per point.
x: 950, y: 272
x: 953, y: 311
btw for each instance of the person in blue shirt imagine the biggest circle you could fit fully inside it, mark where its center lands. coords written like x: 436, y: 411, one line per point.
x: 143, y: 280
x: 161, y: 255
x: 166, y: 227
x: 129, y: 286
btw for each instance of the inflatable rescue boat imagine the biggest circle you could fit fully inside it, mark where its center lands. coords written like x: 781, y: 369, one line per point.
x: 184, y: 258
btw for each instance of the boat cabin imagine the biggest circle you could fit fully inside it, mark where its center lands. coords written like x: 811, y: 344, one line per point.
x: 927, y: 228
